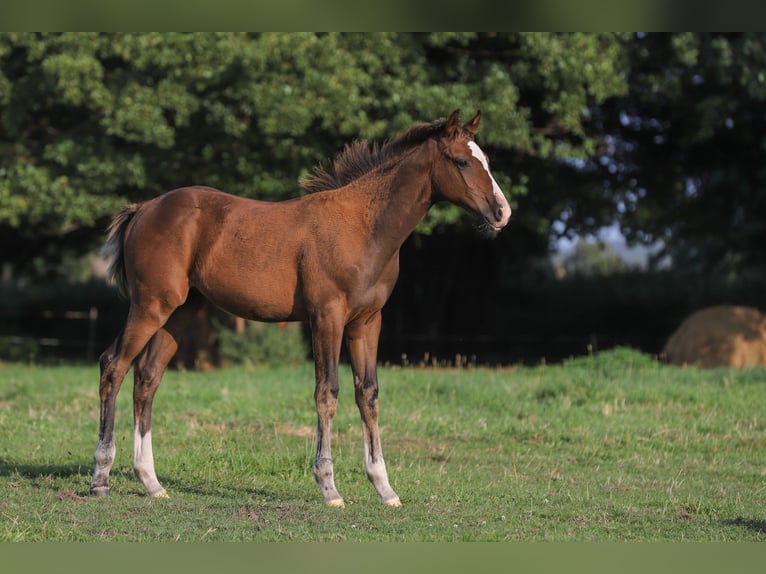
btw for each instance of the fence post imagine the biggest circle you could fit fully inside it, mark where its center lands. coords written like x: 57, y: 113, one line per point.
x: 90, y: 354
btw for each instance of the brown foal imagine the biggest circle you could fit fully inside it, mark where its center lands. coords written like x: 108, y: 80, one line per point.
x: 330, y: 258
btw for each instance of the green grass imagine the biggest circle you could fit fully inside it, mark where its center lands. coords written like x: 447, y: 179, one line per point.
x: 607, y: 448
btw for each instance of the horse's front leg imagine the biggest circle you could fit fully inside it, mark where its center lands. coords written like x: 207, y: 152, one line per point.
x: 327, y: 335
x: 363, y: 348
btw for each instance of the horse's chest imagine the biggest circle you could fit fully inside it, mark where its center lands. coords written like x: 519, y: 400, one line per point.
x: 368, y: 288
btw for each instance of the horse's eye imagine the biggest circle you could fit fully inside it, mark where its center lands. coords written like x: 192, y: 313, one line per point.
x: 461, y: 163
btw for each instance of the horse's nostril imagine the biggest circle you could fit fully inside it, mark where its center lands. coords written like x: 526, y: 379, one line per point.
x: 499, y: 214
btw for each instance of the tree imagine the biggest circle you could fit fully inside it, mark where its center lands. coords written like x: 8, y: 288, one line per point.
x: 683, y: 161
x: 89, y: 122
x: 591, y: 258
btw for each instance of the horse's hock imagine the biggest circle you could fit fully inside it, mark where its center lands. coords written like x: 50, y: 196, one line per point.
x: 724, y: 335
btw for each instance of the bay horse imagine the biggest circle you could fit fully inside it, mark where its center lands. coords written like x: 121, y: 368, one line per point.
x: 330, y: 257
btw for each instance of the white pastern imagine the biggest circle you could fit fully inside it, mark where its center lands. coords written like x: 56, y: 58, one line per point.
x: 104, y: 457
x: 499, y: 195
x: 143, y: 463
x: 376, y: 472
x: 142, y: 450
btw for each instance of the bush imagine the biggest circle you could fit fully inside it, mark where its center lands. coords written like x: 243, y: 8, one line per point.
x: 18, y: 350
x: 263, y: 344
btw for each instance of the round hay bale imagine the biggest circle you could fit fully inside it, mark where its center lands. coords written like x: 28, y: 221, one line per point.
x: 724, y: 335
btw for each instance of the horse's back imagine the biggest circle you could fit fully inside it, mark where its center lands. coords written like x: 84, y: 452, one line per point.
x: 196, y: 214
x: 207, y: 200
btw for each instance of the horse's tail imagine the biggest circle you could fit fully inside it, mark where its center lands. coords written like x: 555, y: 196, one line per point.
x: 115, y: 247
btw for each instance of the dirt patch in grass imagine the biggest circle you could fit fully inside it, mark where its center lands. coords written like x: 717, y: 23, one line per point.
x: 72, y: 496
x: 297, y: 431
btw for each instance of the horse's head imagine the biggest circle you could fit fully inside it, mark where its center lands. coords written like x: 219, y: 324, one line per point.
x: 461, y: 175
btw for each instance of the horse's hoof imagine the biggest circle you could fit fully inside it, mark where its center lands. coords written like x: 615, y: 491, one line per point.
x: 99, y: 491
x: 336, y: 503
x: 161, y: 494
x: 394, y: 502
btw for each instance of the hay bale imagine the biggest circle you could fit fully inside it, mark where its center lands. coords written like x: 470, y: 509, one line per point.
x: 724, y: 335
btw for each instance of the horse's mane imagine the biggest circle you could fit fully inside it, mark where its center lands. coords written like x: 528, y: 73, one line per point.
x: 359, y: 157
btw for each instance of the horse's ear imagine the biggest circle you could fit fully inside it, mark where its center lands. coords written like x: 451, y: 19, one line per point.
x: 453, y: 124
x: 473, y: 125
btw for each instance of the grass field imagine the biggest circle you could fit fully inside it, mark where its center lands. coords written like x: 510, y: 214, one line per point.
x: 614, y: 447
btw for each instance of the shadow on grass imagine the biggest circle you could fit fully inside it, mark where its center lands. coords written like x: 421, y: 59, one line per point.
x: 46, y: 476
x: 34, y: 472
x: 10, y: 468
x: 753, y: 524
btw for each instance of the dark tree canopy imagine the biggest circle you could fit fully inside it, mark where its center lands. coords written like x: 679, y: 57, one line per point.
x: 684, y: 152
x: 660, y: 132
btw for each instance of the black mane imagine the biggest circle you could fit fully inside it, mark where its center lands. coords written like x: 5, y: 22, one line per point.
x: 359, y: 157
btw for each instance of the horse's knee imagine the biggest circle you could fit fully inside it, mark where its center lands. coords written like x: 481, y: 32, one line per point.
x: 327, y: 391
x: 367, y: 395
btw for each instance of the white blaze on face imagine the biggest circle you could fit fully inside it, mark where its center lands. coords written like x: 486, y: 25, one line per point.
x: 499, y: 195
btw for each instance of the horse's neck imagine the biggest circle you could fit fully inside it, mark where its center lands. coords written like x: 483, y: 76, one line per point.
x: 402, y: 197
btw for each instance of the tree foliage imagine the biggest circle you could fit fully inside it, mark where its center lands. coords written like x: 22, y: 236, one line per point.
x: 683, y: 161
x: 89, y: 122
x: 591, y: 258
x: 661, y: 132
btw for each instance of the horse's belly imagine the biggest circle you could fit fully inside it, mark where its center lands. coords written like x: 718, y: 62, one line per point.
x: 259, y: 301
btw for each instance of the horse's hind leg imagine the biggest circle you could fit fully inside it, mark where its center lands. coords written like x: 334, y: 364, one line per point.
x: 142, y: 324
x: 147, y: 375
x: 105, y: 451
x: 148, y: 371
x: 363, y: 349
